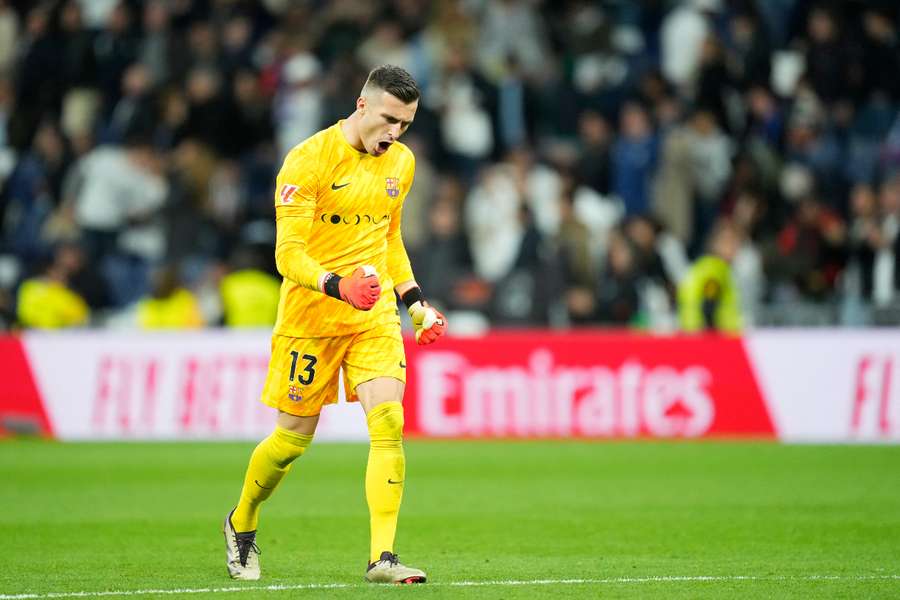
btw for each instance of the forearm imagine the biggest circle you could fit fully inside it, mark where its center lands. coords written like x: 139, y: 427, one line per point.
x: 295, y: 264
x: 291, y: 258
x: 398, y: 265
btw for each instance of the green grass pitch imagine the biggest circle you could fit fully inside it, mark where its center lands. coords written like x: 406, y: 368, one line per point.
x: 760, y: 520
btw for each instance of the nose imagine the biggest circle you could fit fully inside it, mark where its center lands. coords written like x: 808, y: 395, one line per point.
x: 394, y: 131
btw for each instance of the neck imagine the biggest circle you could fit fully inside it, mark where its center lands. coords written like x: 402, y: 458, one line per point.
x: 350, y: 129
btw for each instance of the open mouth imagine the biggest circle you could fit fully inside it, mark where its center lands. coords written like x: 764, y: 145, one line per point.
x: 383, y: 147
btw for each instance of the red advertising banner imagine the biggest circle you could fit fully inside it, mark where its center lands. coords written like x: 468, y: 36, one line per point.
x: 583, y: 385
x: 21, y: 407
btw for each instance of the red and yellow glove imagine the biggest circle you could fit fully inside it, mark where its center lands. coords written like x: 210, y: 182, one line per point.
x: 361, y: 289
x: 430, y: 324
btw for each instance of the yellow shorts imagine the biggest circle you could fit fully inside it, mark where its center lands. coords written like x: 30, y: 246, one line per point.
x: 303, y: 372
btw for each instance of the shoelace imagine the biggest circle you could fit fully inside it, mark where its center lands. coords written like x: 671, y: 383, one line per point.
x: 244, y: 548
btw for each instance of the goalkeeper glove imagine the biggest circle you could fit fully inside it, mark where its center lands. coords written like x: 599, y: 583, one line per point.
x: 429, y: 323
x: 361, y: 290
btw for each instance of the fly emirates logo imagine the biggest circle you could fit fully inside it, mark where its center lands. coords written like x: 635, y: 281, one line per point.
x: 541, y: 398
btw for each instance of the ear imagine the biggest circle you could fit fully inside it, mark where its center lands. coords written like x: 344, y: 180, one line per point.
x: 361, y: 104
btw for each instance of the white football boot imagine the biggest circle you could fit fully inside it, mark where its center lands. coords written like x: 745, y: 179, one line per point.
x: 387, y: 569
x: 241, y: 552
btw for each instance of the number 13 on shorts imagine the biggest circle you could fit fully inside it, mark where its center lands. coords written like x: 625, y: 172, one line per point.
x: 308, y: 372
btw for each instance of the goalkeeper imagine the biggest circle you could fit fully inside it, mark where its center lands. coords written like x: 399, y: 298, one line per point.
x: 338, y: 201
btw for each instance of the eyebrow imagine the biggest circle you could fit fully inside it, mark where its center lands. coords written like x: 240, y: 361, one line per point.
x: 393, y: 119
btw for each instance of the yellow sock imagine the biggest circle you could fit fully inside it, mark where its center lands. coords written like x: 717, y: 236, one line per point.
x: 270, y: 462
x: 384, y: 474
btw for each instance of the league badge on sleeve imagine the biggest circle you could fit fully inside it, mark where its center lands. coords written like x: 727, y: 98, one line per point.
x: 392, y: 186
x: 287, y: 193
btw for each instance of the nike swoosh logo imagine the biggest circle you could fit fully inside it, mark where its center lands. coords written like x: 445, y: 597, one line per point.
x: 337, y: 187
x: 392, y: 481
x: 402, y: 365
x: 262, y: 486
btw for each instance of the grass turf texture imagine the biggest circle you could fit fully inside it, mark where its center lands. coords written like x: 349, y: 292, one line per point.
x: 92, y: 517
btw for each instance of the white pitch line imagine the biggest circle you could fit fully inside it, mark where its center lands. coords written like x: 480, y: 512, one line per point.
x: 507, y: 582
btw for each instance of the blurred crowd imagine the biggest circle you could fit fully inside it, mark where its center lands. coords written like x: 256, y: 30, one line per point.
x: 659, y: 164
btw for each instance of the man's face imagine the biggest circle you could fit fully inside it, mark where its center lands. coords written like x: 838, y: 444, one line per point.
x: 384, y: 118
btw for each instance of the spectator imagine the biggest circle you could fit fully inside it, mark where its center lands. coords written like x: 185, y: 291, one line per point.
x: 750, y: 54
x: 708, y: 298
x: 617, y: 293
x: 208, y: 109
x: 747, y: 265
x: 135, y: 112
x: 714, y: 80
x: 47, y: 302
x: 826, y: 55
x: 118, y: 192
x: 511, y: 28
x: 237, y: 50
x: 78, y: 68
x: 634, y: 159
x: 524, y: 293
x: 157, y: 48
x: 811, y: 250
x: 881, y: 47
x: 426, y: 186
x: 886, y: 242
x: 169, y: 305
x: 576, y: 259
x: 696, y: 167
x: 864, y: 241
x: 251, y: 126
x: 683, y: 33
x: 250, y: 296
x: 445, y: 261
x: 643, y: 235
x: 573, y: 241
x: 36, y: 94
x: 31, y: 193
x: 811, y: 143
x: 385, y: 45
x: 710, y: 160
x: 115, y: 48
x: 594, y: 164
x: 298, y: 105
x: 765, y: 121
x: 9, y: 35
x: 492, y: 223
x: 466, y: 101
x: 513, y: 105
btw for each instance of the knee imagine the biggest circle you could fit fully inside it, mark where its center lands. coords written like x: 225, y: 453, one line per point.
x: 285, y: 446
x: 385, y: 422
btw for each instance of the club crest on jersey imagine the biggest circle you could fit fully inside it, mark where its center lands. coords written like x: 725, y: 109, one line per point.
x: 294, y: 394
x: 287, y: 193
x: 392, y: 186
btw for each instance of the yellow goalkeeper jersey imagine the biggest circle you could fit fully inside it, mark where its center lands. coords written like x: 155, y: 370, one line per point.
x: 337, y: 208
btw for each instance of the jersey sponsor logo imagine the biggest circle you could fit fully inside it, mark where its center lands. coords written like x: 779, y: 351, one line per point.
x: 287, y: 193
x: 355, y: 219
x: 335, y: 186
x: 392, y: 186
